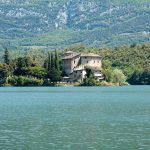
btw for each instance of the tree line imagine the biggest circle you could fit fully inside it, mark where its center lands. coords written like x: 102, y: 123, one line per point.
x: 26, y: 71
x: 121, y: 65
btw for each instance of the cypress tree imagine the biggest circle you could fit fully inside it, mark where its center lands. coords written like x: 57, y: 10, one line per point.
x: 45, y: 65
x: 57, y: 67
x: 49, y: 62
x: 54, y: 73
x: 56, y: 61
x: 52, y: 61
x: 6, y: 57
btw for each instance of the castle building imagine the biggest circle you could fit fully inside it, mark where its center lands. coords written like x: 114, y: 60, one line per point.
x: 74, y: 66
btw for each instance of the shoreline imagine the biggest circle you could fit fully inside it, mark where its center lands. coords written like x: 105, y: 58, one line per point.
x: 70, y: 85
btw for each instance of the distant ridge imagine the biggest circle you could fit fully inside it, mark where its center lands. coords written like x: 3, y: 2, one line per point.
x: 47, y: 24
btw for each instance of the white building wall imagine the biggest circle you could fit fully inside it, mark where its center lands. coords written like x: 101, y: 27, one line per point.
x: 91, y: 61
x: 75, y: 62
x: 78, y: 76
x: 69, y: 64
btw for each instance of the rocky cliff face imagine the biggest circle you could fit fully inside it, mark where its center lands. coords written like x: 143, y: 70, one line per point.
x: 96, y: 23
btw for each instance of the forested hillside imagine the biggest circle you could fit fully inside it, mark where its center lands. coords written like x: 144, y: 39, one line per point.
x: 49, y: 24
x: 119, y: 65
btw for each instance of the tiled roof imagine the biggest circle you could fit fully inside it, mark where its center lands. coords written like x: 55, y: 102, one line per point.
x: 89, y: 55
x: 68, y: 52
x: 71, y: 56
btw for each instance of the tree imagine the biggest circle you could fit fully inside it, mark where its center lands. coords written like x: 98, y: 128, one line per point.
x: 145, y: 77
x: 24, y: 81
x: 21, y: 64
x: 107, y: 70
x: 52, y: 60
x: 45, y: 65
x: 54, y: 72
x: 118, y: 77
x: 6, y: 57
x: 55, y: 75
x: 135, y: 77
x: 106, y: 64
x: 37, y: 72
x: 56, y: 61
x: 89, y: 73
x: 107, y: 73
x: 130, y: 70
x: 49, y: 62
x: 4, y: 71
x: 90, y: 82
x: 77, y: 48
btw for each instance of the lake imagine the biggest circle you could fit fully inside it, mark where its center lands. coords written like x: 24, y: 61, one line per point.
x: 75, y: 118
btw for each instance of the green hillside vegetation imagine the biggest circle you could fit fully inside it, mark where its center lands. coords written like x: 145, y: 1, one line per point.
x: 58, y: 24
x: 37, y: 68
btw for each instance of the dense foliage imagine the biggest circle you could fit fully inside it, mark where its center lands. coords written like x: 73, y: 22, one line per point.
x: 132, y: 60
x: 25, y: 71
x: 140, y: 77
x: 120, y: 65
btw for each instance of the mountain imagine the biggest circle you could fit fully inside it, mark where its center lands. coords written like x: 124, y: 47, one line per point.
x: 49, y: 24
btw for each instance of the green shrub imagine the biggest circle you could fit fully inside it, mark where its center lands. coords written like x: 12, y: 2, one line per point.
x: 118, y: 77
x: 90, y: 82
x: 24, y: 81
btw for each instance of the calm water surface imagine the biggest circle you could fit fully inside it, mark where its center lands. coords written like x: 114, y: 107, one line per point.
x: 81, y: 118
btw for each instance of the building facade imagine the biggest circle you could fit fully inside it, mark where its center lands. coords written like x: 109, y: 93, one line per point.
x: 74, y: 66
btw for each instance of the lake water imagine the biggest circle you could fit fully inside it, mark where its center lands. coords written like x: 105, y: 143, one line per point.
x: 75, y: 118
